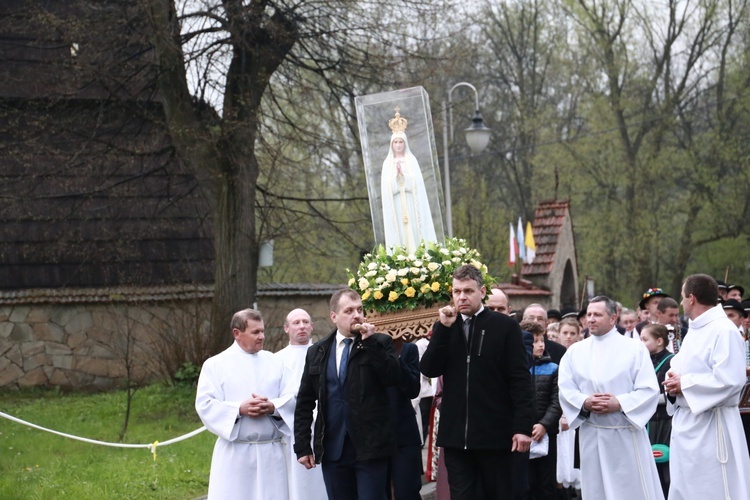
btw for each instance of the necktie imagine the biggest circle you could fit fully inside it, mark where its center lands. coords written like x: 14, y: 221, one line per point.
x: 344, y: 360
x: 467, y: 327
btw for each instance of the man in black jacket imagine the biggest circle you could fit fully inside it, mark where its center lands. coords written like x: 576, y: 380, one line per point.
x: 487, y: 409
x: 347, y: 374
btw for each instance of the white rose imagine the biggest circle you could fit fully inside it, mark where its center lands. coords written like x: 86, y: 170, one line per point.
x: 401, y: 258
x: 391, y: 276
x: 415, y: 270
x: 372, y: 265
x: 379, y: 280
x: 418, y: 263
x: 446, y: 263
x: 433, y: 266
x: 444, y: 251
x: 370, y: 274
x: 403, y: 271
x: 363, y: 284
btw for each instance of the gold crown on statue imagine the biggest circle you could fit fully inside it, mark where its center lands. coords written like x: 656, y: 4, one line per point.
x: 397, y: 124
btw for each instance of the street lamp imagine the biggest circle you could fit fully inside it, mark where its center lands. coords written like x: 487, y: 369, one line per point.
x: 477, y: 137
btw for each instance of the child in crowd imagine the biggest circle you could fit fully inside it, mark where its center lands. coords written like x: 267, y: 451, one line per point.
x: 656, y: 339
x: 553, y: 330
x: 569, y: 332
x: 542, y: 470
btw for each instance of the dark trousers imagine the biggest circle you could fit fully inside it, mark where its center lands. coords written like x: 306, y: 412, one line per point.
x: 520, y: 470
x: 349, y: 479
x: 405, y: 473
x: 543, y: 473
x: 479, y: 474
x: 425, y: 405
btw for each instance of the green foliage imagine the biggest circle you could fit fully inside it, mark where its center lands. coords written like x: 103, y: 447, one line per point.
x: 188, y: 374
x: 37, y: 464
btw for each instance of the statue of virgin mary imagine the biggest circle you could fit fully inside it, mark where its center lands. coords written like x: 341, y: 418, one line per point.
x: 407, y: 218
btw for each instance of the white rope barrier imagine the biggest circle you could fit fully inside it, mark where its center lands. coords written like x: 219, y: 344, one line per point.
x: 151, y: 447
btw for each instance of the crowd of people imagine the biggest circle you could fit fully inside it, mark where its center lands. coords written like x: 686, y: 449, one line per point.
x: 602, y: 403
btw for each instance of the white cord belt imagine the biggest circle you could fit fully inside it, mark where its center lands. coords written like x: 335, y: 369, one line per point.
x: 722, y: 454
x: 243, y: 441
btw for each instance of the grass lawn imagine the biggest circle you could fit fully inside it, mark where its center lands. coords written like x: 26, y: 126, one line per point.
x: 38, y: 465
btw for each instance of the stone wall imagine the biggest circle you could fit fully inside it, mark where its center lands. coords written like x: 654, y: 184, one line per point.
x: 82, y: 346
x: 97, y: 345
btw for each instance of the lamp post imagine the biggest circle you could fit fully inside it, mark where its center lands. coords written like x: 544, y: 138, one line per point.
x: 477, y: 137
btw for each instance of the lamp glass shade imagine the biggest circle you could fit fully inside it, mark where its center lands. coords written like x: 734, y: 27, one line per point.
x: 477, y: 135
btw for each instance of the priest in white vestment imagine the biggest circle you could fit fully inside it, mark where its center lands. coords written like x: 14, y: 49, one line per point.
x: 608, y: 388
x: 244, y: 398
x: 708, y: 455
x: 304, y: 484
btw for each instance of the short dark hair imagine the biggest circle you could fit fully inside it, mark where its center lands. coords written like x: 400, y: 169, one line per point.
x: 469, y: 272
x: 703, y: 287
x: 609, y: 304
x: 667, y: 303
x: 658, y: 331
x: 533, y: 328
x: 336, y: 297
x: 240, y: 318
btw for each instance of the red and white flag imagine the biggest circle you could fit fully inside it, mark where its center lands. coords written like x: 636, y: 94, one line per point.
x: 513, y: 247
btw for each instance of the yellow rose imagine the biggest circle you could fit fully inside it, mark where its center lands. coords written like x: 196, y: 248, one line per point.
x: 351, y: 281
x: 425, y: 288
x: 404, y: 281
x: 392, y: 297
x: 435, y: 286
x: 366, y: 295
x: 377, y: 295
x: 409, y: 292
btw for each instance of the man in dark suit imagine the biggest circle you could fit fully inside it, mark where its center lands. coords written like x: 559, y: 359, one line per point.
x: 348, y: 374
x: 487, y: 405
x: 405, y: 466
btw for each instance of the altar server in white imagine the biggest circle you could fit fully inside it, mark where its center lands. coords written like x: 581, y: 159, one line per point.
x: 708, y: 455
x: 244, y: 398
x: 608, y: 388
x: 304, y: 484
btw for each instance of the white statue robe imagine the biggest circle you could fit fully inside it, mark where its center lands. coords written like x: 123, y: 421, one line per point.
x: 407, y: 218
x: 248, y: 461
x: 303, y: 483
x: 708, y: 454
x: 616, y: 457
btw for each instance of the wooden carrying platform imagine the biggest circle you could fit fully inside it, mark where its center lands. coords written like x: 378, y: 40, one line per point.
x: 406, y: 325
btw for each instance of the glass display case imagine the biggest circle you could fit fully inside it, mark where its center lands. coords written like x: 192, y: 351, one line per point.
x: 401, y: 166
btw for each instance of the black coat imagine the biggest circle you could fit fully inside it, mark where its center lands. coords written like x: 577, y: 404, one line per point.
x: 487, y: 393
x: 400, y: 396
x: 544, y: 378
x: 372, y: 367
